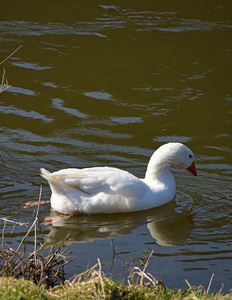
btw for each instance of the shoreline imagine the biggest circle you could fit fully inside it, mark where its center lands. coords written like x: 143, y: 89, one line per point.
x: 97, y: 286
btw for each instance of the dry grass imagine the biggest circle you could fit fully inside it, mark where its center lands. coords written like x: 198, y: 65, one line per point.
x: 4, y: 84
x: 94, y: 284
x: 47, y: 270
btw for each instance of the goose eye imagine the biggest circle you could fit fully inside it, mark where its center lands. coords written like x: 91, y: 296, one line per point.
x: 190, y: 156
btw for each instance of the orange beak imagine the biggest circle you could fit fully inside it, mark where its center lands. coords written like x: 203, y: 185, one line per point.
x: 192, y: 169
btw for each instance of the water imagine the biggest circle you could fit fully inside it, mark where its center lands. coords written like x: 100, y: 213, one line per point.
x: 106, y: 84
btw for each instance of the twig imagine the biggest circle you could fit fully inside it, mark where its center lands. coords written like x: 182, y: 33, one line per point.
x: 112, y: 245
x: 57, y: 251
x: 13, y: 228
x: 12, y: 221
x: 145, y: 266
x: 189, y: 285
x: 85, y: 273
x: 3, y: 232
x: 33, y: 224
x: 10, y: 55
x: 114, y: 252
x: 36, y: 218
x: 100, y: 277
x: 142, y: 274
x: 4, y: 85
x: 23, y: 239
x: 211, y: 279
x: 220, y: 291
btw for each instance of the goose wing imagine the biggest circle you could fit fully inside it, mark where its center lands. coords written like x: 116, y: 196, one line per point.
x: 92, y: 181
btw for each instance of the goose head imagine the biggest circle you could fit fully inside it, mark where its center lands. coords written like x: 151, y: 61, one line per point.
x: 171, y: 155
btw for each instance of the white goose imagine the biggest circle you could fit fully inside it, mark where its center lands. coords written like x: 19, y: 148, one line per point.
x: 111, y: 190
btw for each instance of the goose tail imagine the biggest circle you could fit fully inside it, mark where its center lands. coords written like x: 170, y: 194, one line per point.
x: 56, y: 185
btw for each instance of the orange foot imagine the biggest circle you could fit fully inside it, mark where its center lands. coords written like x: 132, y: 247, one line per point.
x: 50, y: 220
x: 34, y: 203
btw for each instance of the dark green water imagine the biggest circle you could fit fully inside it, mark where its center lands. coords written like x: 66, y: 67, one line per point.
x: 106, y: 83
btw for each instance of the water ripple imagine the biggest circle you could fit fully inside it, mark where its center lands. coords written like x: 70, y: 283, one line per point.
x: 22, y: 113
x: 58, y: 103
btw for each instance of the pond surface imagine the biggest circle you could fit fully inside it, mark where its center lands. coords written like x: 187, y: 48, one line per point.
x: 106, y: 83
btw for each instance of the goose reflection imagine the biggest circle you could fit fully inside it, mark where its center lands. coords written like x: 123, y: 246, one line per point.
x: 166, y: 225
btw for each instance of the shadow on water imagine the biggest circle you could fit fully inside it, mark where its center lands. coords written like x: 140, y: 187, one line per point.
x: 87, y: 228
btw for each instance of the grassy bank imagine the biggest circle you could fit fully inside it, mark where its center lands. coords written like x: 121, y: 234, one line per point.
x: 96, y: 288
